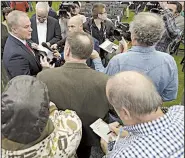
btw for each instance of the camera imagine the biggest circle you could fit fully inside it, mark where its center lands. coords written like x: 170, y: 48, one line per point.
x: 156, y: 10
x: 122, y: 30
x: 66, y: 8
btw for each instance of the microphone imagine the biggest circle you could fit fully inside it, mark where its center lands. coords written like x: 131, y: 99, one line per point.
x: 46, y: 46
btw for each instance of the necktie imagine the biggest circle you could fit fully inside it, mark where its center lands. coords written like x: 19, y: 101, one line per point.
x: 30, y: 49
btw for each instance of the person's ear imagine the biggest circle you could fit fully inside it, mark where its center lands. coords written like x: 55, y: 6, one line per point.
x: 124, y: 114
x: 14, y: 30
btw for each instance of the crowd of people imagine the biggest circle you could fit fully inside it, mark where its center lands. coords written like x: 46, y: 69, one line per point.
x: 48, y: 104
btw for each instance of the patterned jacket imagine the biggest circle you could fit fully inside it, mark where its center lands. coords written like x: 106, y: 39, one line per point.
x: 63, y: 141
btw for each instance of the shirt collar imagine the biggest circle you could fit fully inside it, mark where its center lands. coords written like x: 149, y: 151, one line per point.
x: 143, y: 49
x: 23, y: 41
x: 45, y: 22
x: 154, y: 126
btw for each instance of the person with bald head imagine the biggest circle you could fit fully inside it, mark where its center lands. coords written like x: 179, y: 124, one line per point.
x: 45, y: 28
x: 148, y: 131
x: 77, y: 87
x: 75, y: 24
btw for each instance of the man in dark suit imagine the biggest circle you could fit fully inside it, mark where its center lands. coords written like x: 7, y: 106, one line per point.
x: 45, y: 28
x: 18, y: 57
x: 77, y: 87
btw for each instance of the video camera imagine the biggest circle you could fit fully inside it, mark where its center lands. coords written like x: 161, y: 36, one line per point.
x: 122, y: 30
x: 158, y: 9
x: 66, y: 8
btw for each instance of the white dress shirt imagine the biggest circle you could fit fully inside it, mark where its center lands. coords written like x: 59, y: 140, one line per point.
x: 41, y: 31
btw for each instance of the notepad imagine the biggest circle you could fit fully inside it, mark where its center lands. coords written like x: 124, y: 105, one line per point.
x: 108, y: 46
x: 101, y: 129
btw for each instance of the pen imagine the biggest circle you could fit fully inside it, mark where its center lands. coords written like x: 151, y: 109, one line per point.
x: 109, y: 132
x: 120, y: 132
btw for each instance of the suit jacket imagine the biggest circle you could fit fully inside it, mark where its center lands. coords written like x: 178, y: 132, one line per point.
x: 53, y: 30
x: 18, y: 59
x: 4, y: 36
x: 77, y: 87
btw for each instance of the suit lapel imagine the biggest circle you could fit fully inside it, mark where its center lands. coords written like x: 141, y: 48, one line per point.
x: 48, y: 26
x: 27, y: 52
x: 31, y: 54
x: 35, y: 34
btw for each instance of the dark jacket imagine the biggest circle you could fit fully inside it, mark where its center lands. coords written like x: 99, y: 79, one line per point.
x: 77, y: 87
x: 18, y: 60
x: 4, y: 36
x: 52, y: 13
x: 53, y: 30
x: 106, y: 30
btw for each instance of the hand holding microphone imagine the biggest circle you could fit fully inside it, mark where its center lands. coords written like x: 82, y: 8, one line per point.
x: 44, y: 44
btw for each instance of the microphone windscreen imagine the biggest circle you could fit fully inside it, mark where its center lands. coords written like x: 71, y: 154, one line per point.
x: 44, y: 44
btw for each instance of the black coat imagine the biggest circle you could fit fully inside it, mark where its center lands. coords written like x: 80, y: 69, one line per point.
x: 4, y: 36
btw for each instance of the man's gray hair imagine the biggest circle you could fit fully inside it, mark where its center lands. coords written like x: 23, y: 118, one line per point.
x: 13, y: 18
x: 43, y: 5
x: 147, y: 28
x: 134, y: 92
x: 81, y: 44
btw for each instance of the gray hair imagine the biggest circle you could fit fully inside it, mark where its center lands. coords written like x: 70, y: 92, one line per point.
x: 81, y: 44
x: 43, y: 5
x: 134, y: 92
x: 13, y: 18
x: 147, y: 28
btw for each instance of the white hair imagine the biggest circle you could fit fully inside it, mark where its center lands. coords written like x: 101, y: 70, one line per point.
x: 133, y: 91
x: 147, y: 28
x: 43, y: 5
x: 13, y: 18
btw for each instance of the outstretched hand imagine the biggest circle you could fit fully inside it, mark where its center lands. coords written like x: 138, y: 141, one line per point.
x: 45, y: 64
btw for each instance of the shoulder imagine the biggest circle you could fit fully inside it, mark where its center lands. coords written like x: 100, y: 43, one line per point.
x: 99, y: 75
x: 177, y: 110
x: 52, y: 19
x: 33, y: 17
x: 47, y: 74
x: 165, y: 57
x: 109, y: 22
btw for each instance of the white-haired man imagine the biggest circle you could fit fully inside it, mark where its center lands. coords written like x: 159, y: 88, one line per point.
x: 146, y: 29
x: 18, y: 57
x: 45, y: 28
x: 151, y: 131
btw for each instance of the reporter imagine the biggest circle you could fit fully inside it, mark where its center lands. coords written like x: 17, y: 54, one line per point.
x: 75, y: 24
x: 151, y: 131
x: 146, y: 30
x: 171, y: 30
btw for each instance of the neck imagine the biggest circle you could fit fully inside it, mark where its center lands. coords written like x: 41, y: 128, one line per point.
x: 97, y: 21
x: 72, y: 60
x: 15, y: 35
x: 147, y: 118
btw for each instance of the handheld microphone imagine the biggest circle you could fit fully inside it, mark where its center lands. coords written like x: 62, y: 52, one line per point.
x: 46, y: 46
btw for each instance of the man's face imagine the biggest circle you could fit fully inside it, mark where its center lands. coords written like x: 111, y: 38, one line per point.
x: 23, y: 29
x: 75, y: 10
x: 103, y: 15
x: 41, y: 15
x: 73, y: 26
x: 173, y: 7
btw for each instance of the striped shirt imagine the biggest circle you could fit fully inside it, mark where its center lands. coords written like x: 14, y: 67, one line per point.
x: 161, y: 138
